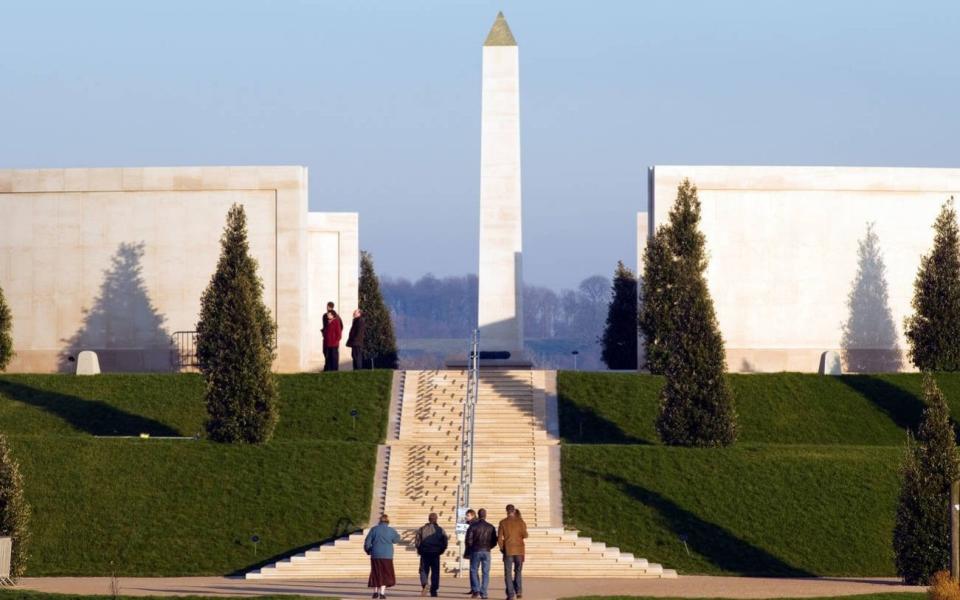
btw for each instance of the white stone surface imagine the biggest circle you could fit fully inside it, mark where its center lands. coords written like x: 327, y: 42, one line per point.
x: 88, y: 363
x: 782, y: 244
x: 332, y: 236
x: 500, y: 275
x: 830, y: 363
x: 643, y: 219
x: 115, y: 260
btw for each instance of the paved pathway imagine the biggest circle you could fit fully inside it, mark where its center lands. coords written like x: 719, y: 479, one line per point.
x: 454, y: 589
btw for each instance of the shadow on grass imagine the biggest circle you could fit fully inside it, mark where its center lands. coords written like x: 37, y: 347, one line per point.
x: 583, y: 425
x: 718, y: 546
x: 904, y: 408
x: 344, y: 528
x: 90, y: 416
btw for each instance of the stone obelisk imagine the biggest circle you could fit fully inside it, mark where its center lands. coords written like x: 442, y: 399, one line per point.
x: 500, y: 315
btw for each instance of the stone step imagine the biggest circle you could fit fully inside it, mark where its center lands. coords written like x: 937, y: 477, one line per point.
x: 511, y: 463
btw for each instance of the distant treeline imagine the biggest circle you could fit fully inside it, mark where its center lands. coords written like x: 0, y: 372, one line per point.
x: 554, y: 323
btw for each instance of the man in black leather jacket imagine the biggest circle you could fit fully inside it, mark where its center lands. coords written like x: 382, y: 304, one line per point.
x: 481, y: 537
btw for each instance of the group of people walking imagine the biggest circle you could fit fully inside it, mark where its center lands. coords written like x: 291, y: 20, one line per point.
x: 431, y: 542
x: 332, y: 331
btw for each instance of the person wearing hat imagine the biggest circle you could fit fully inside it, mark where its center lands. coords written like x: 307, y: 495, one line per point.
x: 379, y: 546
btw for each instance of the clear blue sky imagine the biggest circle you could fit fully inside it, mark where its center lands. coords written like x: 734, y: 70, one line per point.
x: 382, y: 102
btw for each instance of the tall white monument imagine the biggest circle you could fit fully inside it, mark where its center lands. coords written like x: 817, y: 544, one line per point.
x: 500, y: 315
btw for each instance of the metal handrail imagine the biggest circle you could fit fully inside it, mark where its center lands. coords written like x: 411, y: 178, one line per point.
x: 466, y: 440
x: 184, y: 349
x: 184, y: 354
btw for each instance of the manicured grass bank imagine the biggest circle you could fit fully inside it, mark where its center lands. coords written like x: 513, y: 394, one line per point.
x: 186, y: 507
x: 780, y: 408
x: 164, y: 507
x: 809, y: 489
x: 312, y: 406
x: 774, y: 510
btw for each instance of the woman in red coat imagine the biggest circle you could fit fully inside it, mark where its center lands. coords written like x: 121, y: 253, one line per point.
x: 332, y: 332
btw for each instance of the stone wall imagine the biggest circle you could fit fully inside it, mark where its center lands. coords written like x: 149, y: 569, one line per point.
x: 115, y: 260
x: 331, y: 235
x: 784, y: 246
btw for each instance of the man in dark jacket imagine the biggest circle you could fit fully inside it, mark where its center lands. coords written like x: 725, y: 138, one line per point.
x: 481, y: 537
x: 431, y: 542
x: 355, y: 339
x: 332, y: 332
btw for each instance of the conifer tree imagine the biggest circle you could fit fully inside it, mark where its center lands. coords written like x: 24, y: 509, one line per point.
x: 235, y: 341
x: 933, y: 331
x: 696, y: 406
x: 6, y: 339
x: 14, y: 510
x: 380, y: 343
x: 921, y: 533
x: 657, y: 298
x: 619, y: 339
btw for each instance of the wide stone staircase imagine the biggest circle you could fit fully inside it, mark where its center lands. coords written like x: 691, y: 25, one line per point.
x: 516, y: 461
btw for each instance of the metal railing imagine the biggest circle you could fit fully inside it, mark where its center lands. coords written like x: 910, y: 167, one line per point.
x: 184, y: 350
x: 466, y: 441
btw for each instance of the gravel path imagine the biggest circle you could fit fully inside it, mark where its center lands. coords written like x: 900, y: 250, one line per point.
x: 454, y: 589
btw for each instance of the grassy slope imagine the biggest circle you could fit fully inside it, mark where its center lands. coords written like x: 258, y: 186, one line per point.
x: 312, y: 406
x: 774, y: 510
x: 809, y: 489
x: 182, y: 507
x: 784, y: 408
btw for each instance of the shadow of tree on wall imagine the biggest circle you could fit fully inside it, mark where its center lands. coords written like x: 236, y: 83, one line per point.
x: 122, y: 327
x: 869, y: 343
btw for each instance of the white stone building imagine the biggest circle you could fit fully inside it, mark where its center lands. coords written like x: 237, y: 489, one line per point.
x: 783, y: 249
x: 115, y: 261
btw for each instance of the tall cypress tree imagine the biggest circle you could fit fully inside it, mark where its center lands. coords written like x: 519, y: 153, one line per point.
x: 657, y: 299
x: 379, y: 343
x: 921, y: 532
x: 6, y: 339
x: 696, y: 406
x: 619, y: 339
x: 933, y: 331
x: 235, y: 340
x: 14, y: 510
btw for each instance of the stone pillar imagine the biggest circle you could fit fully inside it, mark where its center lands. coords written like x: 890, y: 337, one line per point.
x: 500, y: 315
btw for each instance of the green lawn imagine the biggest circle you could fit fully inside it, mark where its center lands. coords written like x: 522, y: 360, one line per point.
x: 780, y: 408
x: 809, y: 489
x: 755, y: 510
x: 312, y: 406
x: 186, y: 507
